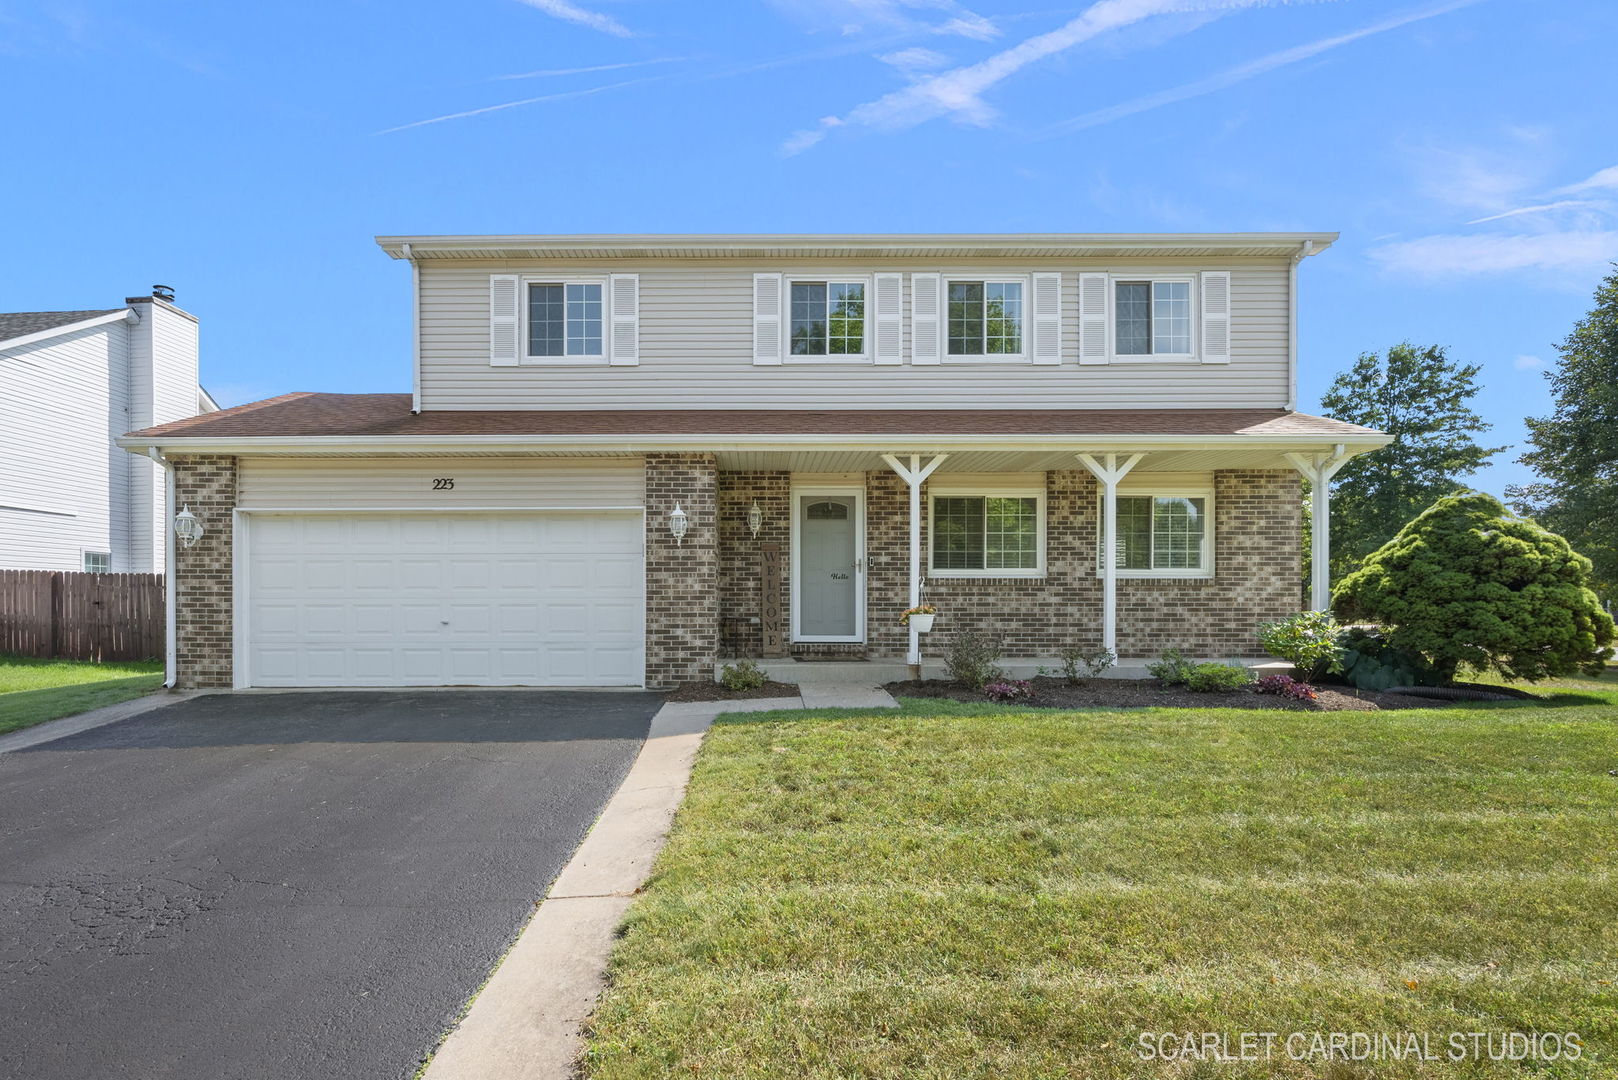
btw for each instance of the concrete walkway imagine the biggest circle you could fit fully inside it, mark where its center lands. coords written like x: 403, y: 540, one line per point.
x: 526, y: 1023
x: 52, y: 730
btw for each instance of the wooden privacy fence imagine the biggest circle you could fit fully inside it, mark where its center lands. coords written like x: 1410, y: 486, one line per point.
x: 72, y: 616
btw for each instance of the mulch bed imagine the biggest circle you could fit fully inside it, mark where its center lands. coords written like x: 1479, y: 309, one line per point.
x: 1055, y: 693
x: 712, y: 691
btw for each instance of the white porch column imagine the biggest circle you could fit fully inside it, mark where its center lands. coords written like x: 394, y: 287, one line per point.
x: 913, y: 475
x: 1109, y: 474
x: 1318, y: 469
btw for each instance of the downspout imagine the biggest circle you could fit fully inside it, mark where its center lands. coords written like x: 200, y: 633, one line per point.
x: 415, y: 331
x: 1306, y: 249
x: 171, y: 582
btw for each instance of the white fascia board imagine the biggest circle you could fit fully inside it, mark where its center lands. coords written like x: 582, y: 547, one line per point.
x: 67, y: 328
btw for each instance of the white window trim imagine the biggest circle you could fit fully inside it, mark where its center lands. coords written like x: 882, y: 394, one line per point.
x: 84, y: 555
x: 980, y: 491
x: 864, y: 356
x: 1192, y: 357
x: 1175, y: 492
x: 1027, y: 283
x: 523, y: 357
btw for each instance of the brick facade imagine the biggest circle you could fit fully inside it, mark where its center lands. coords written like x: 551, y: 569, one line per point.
x: 682, y: 580
x: 203, y: 573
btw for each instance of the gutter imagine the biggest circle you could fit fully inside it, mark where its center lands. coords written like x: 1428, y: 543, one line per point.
x: 171, y: 583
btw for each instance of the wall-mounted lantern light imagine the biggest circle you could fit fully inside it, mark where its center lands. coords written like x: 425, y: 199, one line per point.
x: 678, y: 524
x: 755, y: 518
x: 187, y: 527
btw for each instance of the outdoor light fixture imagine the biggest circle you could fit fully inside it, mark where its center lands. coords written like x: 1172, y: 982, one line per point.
x: 187, y: 527
x: 755, y: 518
x: 678, y: 524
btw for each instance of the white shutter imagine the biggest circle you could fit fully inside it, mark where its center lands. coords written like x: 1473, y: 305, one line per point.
x: 504, y: 323
x: 926, y: 318
x: 767, y: 336
x: 1047, y: 310
x: 1094, y: 346
x: 887, y: 333
x: 623, y: 293
x: 1216, y: 316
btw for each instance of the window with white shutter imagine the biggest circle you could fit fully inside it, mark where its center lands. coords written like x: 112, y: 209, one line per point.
x: 1094, y: 346
x: 1216, y: 317
x: 767, y: 329
x: 624, y: 299
x: 504, y: 319
x: 926, y: 325
x: 888, y: 319
x: 1047, y: 318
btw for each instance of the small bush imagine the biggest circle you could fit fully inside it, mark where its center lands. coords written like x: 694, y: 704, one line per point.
x: 1173, y: 667
x: 1308, y: 639
x: 1079, y: 664
x: 1009, y: 690
x: 1371, y: 662
x: 1285, y: 686
x: 1217, y: 678
x: 742, y: 675
x: 973, y: 659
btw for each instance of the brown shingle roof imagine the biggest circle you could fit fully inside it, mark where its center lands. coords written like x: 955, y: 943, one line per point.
x: 305, y: 414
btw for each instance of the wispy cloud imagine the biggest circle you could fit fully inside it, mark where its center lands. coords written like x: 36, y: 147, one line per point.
x: 854, y: 17
x: 553, y: 72
x: 914, y: 60
x: 563, y: 96
x: 1456, y: 255
x: 958, y: 92
x: 1542, y: 208
x: 1605, y: 179
x: 1528, y: 363
x: 1252, y: 69
x: 568, y: 12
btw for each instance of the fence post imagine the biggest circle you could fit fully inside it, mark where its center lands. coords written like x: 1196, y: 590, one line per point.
x: 56, y: 614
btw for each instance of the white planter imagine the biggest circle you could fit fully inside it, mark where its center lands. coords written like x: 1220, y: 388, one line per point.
x: 922, y: 623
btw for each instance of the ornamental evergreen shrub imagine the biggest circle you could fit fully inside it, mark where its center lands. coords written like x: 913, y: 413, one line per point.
x: 1468, y: 582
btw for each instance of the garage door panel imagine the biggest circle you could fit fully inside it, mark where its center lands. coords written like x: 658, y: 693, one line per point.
x: 417, y: 599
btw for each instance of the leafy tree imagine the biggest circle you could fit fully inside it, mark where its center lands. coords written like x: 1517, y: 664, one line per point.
x: 1468, y: 582
x: 1575, y: 449
x: 1422, y: 398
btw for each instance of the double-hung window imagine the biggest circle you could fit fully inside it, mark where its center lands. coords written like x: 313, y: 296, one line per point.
x: 564, y: 320
x: 985, y: 318
x: 828, y: 320
x: 1153, y: 317
x: 987, y: 534
x: 1164, y: 535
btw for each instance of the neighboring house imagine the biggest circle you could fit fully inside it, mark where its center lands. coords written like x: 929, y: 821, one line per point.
x: 70, y: 383
x: 947, y: 413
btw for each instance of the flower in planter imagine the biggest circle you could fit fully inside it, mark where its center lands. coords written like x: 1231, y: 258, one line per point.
x: 919, y: 609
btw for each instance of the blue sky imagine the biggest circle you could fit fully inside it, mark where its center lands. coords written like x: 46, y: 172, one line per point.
x: 246, y: 154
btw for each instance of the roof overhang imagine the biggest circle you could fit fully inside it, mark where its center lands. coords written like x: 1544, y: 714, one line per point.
x: 861, y: 245
x: 66, y: 328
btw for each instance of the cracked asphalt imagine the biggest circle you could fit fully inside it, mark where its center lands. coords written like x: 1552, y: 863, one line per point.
x: 288, y: 885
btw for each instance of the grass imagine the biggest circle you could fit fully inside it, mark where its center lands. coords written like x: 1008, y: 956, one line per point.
x: 960, y: 891
x: 33, y: 691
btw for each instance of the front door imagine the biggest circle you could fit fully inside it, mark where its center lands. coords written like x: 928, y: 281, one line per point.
x: 830, y: 571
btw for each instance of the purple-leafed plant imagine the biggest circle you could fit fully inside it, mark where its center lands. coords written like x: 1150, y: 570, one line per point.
x: 1009, y: 690
x: 1285, y: 686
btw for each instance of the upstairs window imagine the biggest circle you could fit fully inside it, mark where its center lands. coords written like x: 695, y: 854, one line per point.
x: 985, y: 318
x: 565, y: 319
x: 987, y: 535
x: 1153, y: 317
x: 1165, y: 534
x: 828, y: 319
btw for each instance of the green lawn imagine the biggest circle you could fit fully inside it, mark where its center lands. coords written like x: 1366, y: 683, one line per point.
x: 951, y: 891
x: 34, y: 691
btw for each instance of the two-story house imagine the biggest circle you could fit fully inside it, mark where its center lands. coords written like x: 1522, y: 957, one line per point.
x: 623, y: 455
x: 70, y: 383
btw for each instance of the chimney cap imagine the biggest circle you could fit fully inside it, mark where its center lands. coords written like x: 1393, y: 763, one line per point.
x: 164, y: 293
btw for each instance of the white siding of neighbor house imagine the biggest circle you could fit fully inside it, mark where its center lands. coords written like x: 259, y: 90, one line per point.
x: 66, y: 488
x: 696, y: 346
x: 164, y: 389
x: 407, y: 483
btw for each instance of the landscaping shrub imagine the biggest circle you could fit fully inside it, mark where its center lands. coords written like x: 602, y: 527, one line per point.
x: 1308, y: 639
x: 1370, y: 663
x: 1172, y: 667
x: 1467, y: 582
x: 1079, y: 664
x: 742, y: 675
x: 973, y: 659
x: 1285, y: 686
x: 1008, y: 690
x: 1214, y: 678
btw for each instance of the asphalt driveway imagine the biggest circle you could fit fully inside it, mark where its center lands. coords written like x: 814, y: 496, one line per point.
x: 289, y: 885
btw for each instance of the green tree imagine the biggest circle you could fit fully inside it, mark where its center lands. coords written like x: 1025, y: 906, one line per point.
x: 1422, y: 398
x: 1575, y: 449
x: 1468, y: 582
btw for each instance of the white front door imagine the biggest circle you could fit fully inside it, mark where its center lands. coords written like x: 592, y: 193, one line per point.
x: 829, y: 577
x: 548, y: 598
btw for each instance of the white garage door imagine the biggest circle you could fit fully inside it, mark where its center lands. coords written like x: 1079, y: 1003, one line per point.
x: 424, y: 599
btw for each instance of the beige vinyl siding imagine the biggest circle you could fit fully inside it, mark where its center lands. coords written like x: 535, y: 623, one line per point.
x: 407, y: 483
x: 696, y: 346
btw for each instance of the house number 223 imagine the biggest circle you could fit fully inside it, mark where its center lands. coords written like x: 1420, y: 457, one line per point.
x: 443, y: 483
